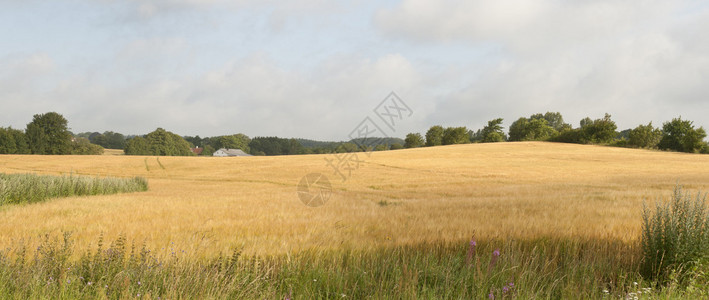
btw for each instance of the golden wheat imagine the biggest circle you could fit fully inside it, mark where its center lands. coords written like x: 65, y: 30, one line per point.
x: 206, y: 205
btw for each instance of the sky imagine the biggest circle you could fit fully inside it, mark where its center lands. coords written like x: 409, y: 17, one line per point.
x: 316, y: 69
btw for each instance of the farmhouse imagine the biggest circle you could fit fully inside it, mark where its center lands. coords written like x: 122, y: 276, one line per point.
x: 223, y: 152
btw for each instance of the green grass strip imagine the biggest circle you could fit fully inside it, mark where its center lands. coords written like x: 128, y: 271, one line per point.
x: 31, y: 188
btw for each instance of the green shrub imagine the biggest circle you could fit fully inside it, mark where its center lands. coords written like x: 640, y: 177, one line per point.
x: 30, y: 188
x: 675, y: 236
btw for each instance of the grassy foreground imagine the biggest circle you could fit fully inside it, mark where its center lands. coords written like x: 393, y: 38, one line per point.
x: 499, y: 269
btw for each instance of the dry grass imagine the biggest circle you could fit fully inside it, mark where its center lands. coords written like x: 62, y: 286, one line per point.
x: 207, y: 205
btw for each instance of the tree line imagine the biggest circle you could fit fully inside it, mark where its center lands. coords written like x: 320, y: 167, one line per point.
x: 676, y: 135
x: 49, y: 134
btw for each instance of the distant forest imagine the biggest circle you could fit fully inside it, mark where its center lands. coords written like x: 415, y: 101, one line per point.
x: 48, y: 134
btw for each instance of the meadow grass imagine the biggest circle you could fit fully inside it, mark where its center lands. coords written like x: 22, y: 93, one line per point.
x: 543, y: 268
x: 32, y: 188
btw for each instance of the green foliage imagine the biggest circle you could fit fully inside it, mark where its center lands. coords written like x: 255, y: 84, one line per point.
x: 536, y: 128
x: 48, y: 134
x: 645, y: 136
x: 13, y: 141
x: 275, y: 146
x: 455, y: 135
x: 675, y: 236
x: 159, y: 142
x: 29, y: 188
x: 413, y: 140
x: 554, y: 119
x: 82, y: 146
x: 434, y: 136
x: 599, y: 131
x: 236, y: 141
x: 493, y: 132
x: 680, y: 135
x: 396, y: 146
x: 108, y: 140
x: 381, y: 148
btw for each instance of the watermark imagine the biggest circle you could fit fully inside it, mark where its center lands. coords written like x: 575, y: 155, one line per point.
x: 314, y: 189
x: 369, y: 133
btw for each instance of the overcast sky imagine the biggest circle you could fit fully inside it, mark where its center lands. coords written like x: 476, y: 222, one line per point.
x: 316, y: 68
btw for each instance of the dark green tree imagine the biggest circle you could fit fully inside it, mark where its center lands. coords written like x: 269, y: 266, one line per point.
x: 455, y: 135
x: 493, y: 132
x: 680, y: 135
x: 536, y: 128
x: 159, y: 142
x: 396, y: 146
x: 137, y: 146
x: 82, y: 146
x: 599, y: 131
x: 434, y: 136
x: 644, y: 136
x: 236, y: 141
x: 413, y: 140
x: 48, y: 134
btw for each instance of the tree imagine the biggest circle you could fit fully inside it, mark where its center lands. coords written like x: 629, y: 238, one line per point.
x: 137, y: 146
x: 413, y: 140
x: 236, y: 141
x: 455, y: 135
x: 680, y: 135
x: 159, y: 142
x: 396, y: 146
x: 536, y: 128
x: 645, y: 136
x: 434, y: 136
x: 380, y: 147
x: 493, y: 133
x: 48, y: 134
x: 599, y: 131
x: 13, y: 141
x: 82, y: 146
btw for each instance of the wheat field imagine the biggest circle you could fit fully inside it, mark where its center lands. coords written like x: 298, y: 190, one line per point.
x: 203, y: 206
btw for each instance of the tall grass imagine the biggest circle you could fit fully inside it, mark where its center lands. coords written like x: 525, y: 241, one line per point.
x: 675, y: 236
x: 30, y: 188
x: 568, y: 269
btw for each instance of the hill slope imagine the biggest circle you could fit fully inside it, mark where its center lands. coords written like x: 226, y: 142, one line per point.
x: 207, y: 205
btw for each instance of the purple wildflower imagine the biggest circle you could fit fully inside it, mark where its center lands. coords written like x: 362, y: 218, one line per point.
x: 505, y: 289
x: 471, y: 252
x: 491, y: 295
x: 493, y: 261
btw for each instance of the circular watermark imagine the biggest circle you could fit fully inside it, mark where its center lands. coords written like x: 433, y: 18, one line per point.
x: 314, y: 189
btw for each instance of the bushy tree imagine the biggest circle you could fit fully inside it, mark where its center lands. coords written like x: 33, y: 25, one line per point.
x: 13, y: 141
x: 455, y: 135
x: 159, y: 142
x: 276, y: 146
x: 434, y: 136
x: 108, y: 140
x: 137, y: 146
x: 680, y: 135
x: 413, y: 140
x: 82, y: 146
x: 396, y: 146
x: 536, y: 128
x: 236, y: 141
x: 48, y: 134
x: 381, y: 148
x: 599, y: 131
x: 644, y: 136
x: 493, y: 132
